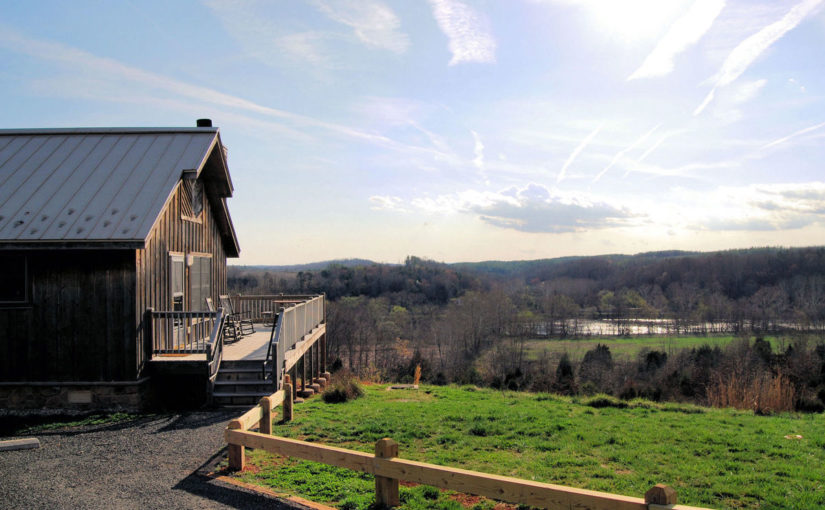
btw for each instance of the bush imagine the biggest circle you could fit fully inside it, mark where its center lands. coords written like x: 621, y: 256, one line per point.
x: 605, y: 401
x: 763, y: 394
x: 342, y: 389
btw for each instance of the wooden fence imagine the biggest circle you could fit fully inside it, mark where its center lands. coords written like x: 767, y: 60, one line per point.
x: 388, y: 469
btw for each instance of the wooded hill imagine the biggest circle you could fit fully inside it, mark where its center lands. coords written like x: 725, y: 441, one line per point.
x: 784, y: 283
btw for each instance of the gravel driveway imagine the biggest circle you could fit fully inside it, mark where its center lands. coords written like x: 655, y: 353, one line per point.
x: 151, y: 462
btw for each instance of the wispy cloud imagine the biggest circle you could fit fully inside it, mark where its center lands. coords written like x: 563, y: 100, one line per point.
x: 624, y: 151
x: 573, y: 155
x: 531, y: 208
x: 467, y: 31
x: 478, y: 160
x: 387, y: 203
x: 685, y: 32
x: 108, y: 73
x: 751, y: 48
x: 785, y: 139
x: 652, y: 148
x: 373, y: 22
x: 762, y: 207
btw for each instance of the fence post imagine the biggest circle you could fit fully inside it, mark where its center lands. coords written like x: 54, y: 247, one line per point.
x: 287, y: 399
x: 660, y: 494
x: 237, y: 455
x: 265, y: 426
x: 386, y: 489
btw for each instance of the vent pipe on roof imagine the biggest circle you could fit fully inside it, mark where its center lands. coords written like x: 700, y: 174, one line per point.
x: 204, y: 123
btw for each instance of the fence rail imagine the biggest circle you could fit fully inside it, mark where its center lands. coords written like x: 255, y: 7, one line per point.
x: 388, y: 469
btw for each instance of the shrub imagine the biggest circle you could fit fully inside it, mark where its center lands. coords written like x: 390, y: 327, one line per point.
x: 605, y: 401
x: 763, y: 394
x: 344, y: 387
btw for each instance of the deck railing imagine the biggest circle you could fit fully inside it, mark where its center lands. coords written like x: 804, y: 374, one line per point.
x: 263, y: 307
x: 184, y: 332
x: 291, y: 326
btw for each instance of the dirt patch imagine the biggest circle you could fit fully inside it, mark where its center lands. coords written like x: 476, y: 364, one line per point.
x: 469, y: 501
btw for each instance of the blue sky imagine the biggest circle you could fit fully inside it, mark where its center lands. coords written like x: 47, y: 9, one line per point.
x: 459, y: 130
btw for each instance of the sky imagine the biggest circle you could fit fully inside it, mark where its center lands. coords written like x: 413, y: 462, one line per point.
x: 458, y: 130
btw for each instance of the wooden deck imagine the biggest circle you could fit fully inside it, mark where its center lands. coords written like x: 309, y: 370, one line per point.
x: 249, y: 347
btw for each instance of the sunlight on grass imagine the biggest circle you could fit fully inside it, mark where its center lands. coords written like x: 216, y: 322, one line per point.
x: 716, y: 458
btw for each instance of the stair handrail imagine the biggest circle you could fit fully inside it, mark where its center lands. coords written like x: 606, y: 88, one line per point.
x: 214, y: 351
x: 272, y: 350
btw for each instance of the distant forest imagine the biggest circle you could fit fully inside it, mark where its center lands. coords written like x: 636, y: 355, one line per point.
x: 762, y: 289
x: 385, y: 319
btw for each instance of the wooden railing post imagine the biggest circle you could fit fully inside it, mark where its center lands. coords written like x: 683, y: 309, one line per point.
x: 660, y: 494
x: 237, y: 455
x: 386, y: 489
x: 148, y: 338
x: 265, y: 425
x: 323, y: 341
x: 287, y: 399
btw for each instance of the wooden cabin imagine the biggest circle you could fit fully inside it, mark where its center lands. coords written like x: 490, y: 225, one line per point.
x: 96, y: 227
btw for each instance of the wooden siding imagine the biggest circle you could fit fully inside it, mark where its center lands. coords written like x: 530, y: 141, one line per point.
x: 79, y: 322
x: 171, y: 234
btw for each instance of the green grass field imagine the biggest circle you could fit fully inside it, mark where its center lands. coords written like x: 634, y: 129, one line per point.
x: 626, y: 349
x: 715, y: 458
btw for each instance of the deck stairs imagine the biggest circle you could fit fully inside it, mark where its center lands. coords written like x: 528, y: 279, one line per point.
x: 241, y: 383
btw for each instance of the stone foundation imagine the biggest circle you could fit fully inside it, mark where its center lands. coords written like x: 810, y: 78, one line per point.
x: 79, y: 396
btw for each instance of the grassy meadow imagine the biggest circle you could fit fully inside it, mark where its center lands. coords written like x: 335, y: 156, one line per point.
x: 719, y: 458
x: 625, y: 349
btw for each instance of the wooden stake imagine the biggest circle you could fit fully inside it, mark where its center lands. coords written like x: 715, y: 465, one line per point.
x: 236, y: 454
x: 386, y: 489
x: 287, y: 402
x: 661, y: 494
x: 265, y: 425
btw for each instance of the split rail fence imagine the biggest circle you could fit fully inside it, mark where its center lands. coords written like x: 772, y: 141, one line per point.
x: 388, y: 469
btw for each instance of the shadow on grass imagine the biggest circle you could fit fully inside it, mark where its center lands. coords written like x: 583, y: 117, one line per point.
x: 200, y: 483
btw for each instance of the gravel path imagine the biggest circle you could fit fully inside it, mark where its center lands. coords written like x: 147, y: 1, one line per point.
x: 151, y: 462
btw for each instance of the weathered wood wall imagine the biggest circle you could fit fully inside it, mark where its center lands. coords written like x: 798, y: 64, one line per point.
x: 78, y: 324
x: 170, y: 234
x: 84, y: 321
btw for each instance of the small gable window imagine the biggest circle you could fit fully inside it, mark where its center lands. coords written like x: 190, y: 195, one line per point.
x: 191, y: 200
x: 13, y: 279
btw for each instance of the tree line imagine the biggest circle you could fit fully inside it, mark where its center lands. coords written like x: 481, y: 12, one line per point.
x: 383, y: 319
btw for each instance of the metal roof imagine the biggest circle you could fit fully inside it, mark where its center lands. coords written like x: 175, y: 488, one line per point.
x: 99, y: 185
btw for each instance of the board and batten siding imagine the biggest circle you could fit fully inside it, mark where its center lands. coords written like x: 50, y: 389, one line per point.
x: 173, y: 234
x: 78, y: 323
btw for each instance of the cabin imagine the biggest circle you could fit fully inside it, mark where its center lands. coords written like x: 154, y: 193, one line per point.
x: 97, y: 227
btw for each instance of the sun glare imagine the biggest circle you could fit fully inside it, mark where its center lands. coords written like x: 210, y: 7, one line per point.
x: 635, y: 20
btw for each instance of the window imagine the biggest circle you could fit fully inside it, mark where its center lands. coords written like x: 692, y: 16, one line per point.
x: 197, y: 198
x: 200, y: 282
x: 13, y: 279
x: 176, y: 281
x: 191, y: 200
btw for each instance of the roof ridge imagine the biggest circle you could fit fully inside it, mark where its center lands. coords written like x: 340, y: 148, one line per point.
x: 106, y: 130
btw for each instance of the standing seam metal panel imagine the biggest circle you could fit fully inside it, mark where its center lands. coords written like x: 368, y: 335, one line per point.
x: 60, y: 185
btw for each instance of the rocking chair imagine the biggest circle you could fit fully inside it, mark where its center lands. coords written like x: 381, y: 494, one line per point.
x: 241, y: 319
x: 231, y: 331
